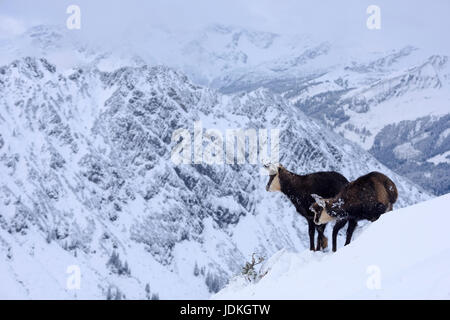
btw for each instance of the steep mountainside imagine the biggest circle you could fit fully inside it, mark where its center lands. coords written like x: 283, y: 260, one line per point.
x: 424, y: 157
x: 86, y: 179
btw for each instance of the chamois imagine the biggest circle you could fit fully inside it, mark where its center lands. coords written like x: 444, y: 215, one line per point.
x: 366, y: 198
x: 298, y: 188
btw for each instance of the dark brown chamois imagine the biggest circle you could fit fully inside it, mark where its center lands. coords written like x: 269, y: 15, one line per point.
x: 298, y: 188
x: 366, y: 198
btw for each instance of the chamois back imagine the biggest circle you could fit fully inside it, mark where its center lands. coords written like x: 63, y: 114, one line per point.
x: 371, y: 188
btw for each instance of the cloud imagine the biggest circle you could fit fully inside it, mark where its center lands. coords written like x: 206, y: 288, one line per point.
x: 10, y: 26
x: 403, y: 21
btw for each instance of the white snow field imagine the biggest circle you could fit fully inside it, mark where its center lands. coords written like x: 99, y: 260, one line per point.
x: 403, y: 255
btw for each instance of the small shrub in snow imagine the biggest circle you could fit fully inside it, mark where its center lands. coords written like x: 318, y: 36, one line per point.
x: 147, y: 291
x: 149, y: 295
x: 213, y: 282
x: 9, y: 255
x: 196, y: 270
x: 114, y: 293
x: 117, y: 266
x: 155, y: 296
x: 250, y: 273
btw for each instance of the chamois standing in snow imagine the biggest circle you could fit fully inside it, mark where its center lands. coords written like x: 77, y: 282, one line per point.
x: 298, y: 188
x: 366, y: 198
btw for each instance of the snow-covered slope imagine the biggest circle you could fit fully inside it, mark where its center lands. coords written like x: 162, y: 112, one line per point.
x: 403, y: 255
x: 86, y: 179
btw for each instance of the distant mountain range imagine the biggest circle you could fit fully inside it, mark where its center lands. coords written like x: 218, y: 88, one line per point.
x: 359, y: 94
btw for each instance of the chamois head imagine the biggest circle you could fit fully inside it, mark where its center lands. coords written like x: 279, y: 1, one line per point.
x: 320, y: 210
x: 274, y: 182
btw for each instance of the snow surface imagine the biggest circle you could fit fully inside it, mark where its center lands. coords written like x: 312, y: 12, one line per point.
x: 404, y: 255
x: 430, y: 102
x: 440, y: 158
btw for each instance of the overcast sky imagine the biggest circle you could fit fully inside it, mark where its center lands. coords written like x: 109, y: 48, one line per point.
x: 422, y: 22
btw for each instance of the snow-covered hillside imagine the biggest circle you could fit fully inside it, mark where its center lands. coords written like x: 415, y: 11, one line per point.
x: 403, y: 255
x: 86, y: 179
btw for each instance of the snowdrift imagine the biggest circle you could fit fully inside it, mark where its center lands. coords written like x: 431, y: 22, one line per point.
x: 403, y: 255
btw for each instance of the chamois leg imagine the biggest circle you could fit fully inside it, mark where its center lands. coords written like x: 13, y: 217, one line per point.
x: 351, y: 227
x: 322, y: 241
x: 311, y: 231
x: 337, y: 226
